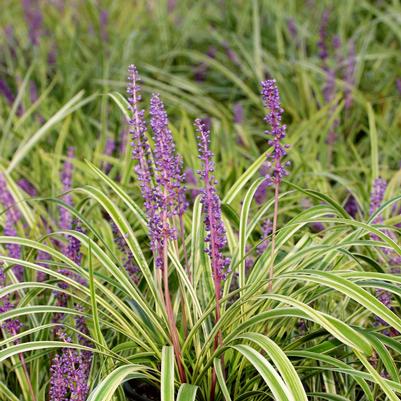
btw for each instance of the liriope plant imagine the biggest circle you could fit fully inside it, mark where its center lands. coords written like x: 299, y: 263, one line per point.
x: 244, y: 320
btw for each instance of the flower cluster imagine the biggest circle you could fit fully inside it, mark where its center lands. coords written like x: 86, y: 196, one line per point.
x: 351, y: 206
x: 271, y: 100
x: 377, y: 195
x: 216, y: 234
x: 161, y: 182
x: 69, y: 374
x: 267, y: 228
x: 168, y: 164
x: 142, y: 154
x: 129, y: 264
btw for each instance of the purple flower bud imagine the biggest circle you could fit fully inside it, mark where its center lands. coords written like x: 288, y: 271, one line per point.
x: 292, y: 29
x: 27, y: 186
x: 350, y: 75
x: 377, y: 195
x: 267, y: 228
x: 104, y: 20
x: 261, y: 192
x: 238, y: 110
x: 108, y: 151
x: 271, y: 100
x: 351, y: 206
x: 171, y: 4
x: 66, y: 180
x: 129, y: 264
x: 323, y: 33
x: 34, y: 20
x: 398, y: 85
x: 202, y: 68
x: 52, y: 55
x: 33, y: 91
x: 192, y: 183
x: 6, y: 92
x: 231, y: 54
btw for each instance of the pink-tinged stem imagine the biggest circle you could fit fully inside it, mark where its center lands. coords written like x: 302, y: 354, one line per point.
x: 25, y: 368
x: 171, y: 318
x: 273, y: 248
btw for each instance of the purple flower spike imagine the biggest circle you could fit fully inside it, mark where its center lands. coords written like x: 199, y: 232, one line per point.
x: 351, y: 206
x: 66, y: 179
x: 34, y: 20
x: 398, y: 85
x: 271, y: 100
x: 292, y: 29
x: 6, y: 92
x: 33, y: 92
x: 329, y: 89
x: 202, y: 68
x: 129, y: 264
x: 73, y: 250
x: 142, y: 154
x: 168, y: 164
x: 216, y: 235
x: 377, y: 194
x: 192, y: 182
x: 323, y: 33
x: 104, y: 21
x: 238, y: 110
x: 350, y: 75
x: 108, y: 151
x: 261, y: 192
x: 27, y: 186
x: 9, y: 96
x: 231, y: 54
x: 267, y: 228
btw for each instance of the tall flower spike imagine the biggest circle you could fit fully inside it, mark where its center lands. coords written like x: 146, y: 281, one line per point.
x: 271, y: 100
x: 350, y: 75
x: 216, y: 235
x: 66, y: 180
x: 34, y: 20
x: 168, y: 164
x: 142, y: 154
x: 322, y: 43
